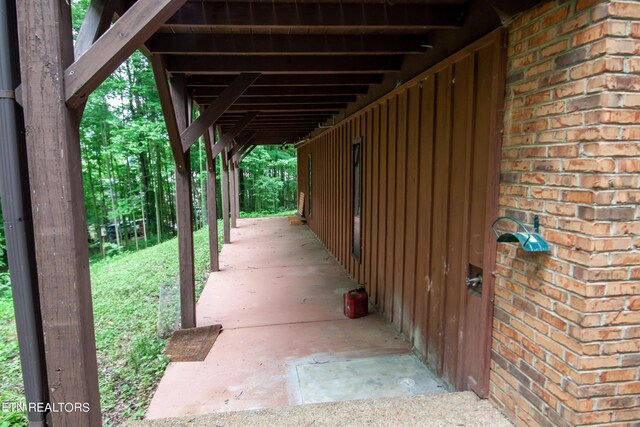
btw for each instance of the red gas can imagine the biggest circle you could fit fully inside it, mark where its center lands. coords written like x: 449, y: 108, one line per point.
x: 356, y: 303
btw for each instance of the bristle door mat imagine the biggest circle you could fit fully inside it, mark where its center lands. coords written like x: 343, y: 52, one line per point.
x: 192, y: 345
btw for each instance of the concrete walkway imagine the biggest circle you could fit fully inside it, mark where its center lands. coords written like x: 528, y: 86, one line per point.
x: 451, y: 409
x: 285, y: 340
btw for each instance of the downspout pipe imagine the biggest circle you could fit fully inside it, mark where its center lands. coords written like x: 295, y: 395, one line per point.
x: 16, y: 210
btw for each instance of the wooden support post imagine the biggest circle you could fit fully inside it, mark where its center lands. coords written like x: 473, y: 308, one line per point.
x: 237, y: 187
x: 57, y: 197
x: 232, y: 191
x: 225, y: 197
x: 212, y: 207
x: 184, y: 212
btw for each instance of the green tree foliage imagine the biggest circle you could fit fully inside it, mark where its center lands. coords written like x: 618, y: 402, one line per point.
x: 129, y: 184
x: 268, y: 180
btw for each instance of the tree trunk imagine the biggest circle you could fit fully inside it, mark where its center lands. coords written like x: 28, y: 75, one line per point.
x: 111, y: 187
x: 124, y: 225
x: 96, y: 215
x: 133, y: 208
x: 158, y: 194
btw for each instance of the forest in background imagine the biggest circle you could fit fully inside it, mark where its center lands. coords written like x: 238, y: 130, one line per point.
x: 128, y: 168
x: 129, y: 184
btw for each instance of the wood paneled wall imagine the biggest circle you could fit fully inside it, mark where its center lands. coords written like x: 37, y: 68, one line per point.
x: 416, y: 183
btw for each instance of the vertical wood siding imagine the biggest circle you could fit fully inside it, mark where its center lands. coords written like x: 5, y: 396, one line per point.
x: 417, y: 182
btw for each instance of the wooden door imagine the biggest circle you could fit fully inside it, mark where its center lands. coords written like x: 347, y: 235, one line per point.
x: 467, y: 95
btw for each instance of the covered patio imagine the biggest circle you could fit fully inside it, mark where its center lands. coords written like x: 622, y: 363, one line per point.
x: 418, y: 125
x: 286, y: 342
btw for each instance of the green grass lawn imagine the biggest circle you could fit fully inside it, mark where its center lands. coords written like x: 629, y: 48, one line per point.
x: 126, y: 293
x: 265, y: 214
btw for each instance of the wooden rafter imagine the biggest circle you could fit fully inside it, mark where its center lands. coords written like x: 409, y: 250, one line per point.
x: 217, y: 107
x: 133, y: 28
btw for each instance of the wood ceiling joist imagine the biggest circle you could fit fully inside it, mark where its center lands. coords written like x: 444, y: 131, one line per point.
x: 334, y: 108
x: 364, y: 16
x: 289, y: 80
x: 275, y: 123
x: 279, y: 126
x: 281, y: 44
x: 310, y: 99
x: 212, y: 91
x: 284, y: 64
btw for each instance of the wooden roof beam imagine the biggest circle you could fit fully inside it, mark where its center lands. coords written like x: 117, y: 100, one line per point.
x: 216, y: 108
x: 279, y: 44
x: 262, y: 118
x: 276, y: 122
x: 289, y: 80
x: 309, y: 99
x: 228, y: 137
x: 256, y: 15
x: 265, y: 115
x: 328, y: 108
x: 211, y: 91
x: 133, y: 28
x: 278, y: 125
x: 284, y: 64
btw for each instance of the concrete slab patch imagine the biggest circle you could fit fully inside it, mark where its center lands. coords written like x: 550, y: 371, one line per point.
x: 366, y: 378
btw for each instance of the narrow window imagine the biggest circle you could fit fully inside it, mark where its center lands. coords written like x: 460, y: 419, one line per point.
x: 357, y: 197
x: 309, y: 184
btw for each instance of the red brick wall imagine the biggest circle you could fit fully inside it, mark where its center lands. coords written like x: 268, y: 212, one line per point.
x: 566, y: 347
